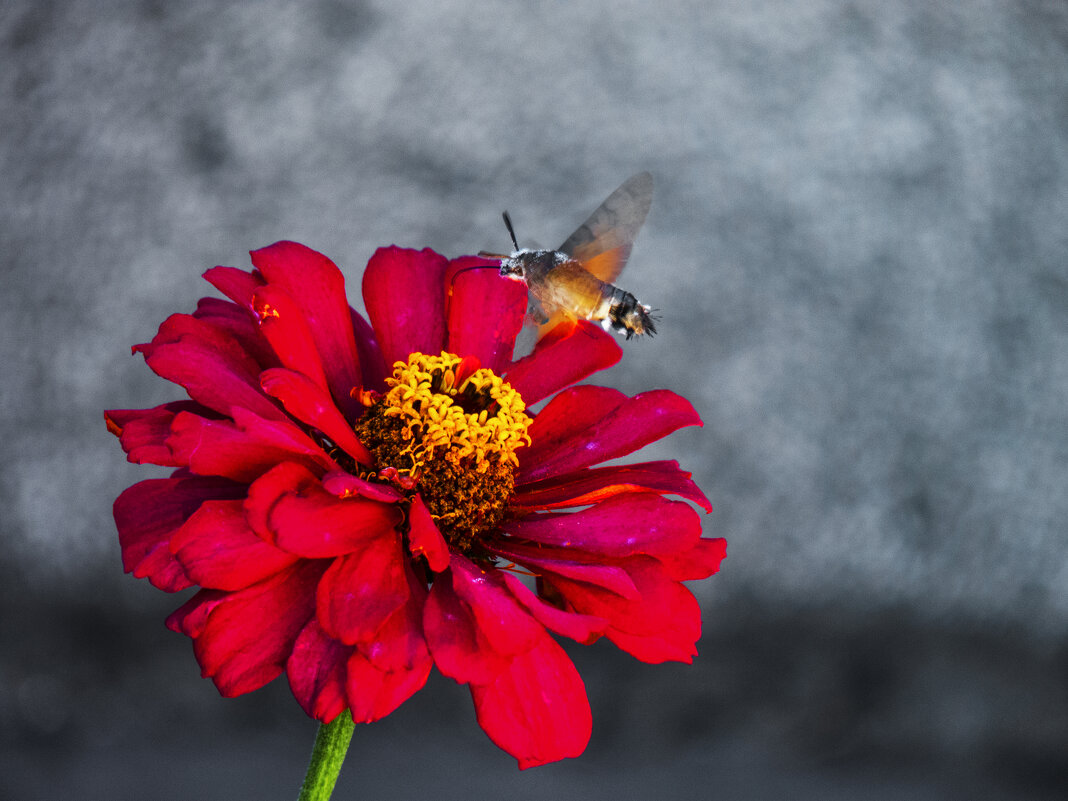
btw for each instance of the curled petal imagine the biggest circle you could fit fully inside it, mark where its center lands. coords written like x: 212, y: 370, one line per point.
x: 424, y: 537
x: 311, y: 403
x: 404, y: 293
x: 567, y: 354
x: 219, y: 551
x: 588, y: 486
x: 460, y: 651
x: 536, y: 709
x: 571, y: 564
x: 149, y: 513
x: 505, y: 625
x: 584, y: 426
x: 485, y: 311
x: 316, y: 672
x: 317, y: 287
x: 637, y: 522
x: 191, y: 617
x: 143, y: 432
x: 249, y: 635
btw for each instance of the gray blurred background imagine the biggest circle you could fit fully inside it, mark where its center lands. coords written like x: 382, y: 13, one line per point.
x: 858, y: 246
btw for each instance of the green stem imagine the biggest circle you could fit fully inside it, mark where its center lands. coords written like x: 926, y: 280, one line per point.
x: 331, y: 743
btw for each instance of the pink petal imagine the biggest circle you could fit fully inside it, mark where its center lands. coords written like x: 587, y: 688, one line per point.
x: 312, y: 404
x: 589, y: 486
x: 149, y: 513
x: 249, y: 636
x: 282, y: 324
x: 317, y: 287
x: 636, y: 522
x: 664, y: 625
x: 288, y: 507
x: 485, y: 311
x: 219, y: 551
x: 242, y: 450
x: 212, y: 367
x: 143, y: 432
x: 404, y: 293
x: 536, y: 709
x: 316, y: 672
x: 424, y: 537
x: 566, y: 355
x: 566, y: 436
x: 581, y: 628
x: 361, y: 590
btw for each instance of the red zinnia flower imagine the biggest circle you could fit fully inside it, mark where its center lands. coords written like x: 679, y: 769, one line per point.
x: 352, y: 523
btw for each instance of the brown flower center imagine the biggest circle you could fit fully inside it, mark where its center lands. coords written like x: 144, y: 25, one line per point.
x: 450, y: 429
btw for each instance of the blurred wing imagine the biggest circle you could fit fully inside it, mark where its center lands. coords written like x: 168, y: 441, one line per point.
x: 603, y: 242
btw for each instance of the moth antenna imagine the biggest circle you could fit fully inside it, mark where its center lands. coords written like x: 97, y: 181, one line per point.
x: 511, y: 231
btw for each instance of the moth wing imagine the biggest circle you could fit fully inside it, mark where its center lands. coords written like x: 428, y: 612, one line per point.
x: 603, y: 243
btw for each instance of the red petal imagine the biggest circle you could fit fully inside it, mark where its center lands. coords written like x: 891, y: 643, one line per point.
x: 289, y: 507
x: 316, y: 672
x: 312, y: 404
x: 559, y: 361
x: 452, y: 634
x: 143, y: 432
x: 584, y: 487
x: 212, y: 367
x: 374, y: 693
x: 235, y: 322
x: 566, y: 435
x: 536, y: 709
x: 283, y: 325
x: 317, y: 287
x: 371, y: 362
x: 346, y: 485
x: 485, y: 311
x: 699, y: 562
x: 218, y: 549
x: 238, y: 285
x: 249, y: 636
x: 404, y: 293
x: 191, y: 617
x: 506, y: 626
x: 424, y: 537
x: 361, y: 590
x: 244, y: 449
x: 664, y: 625
x: 637, y: 522
x: 571, y: 564
x: 149, y: 513
x: 582, y: 628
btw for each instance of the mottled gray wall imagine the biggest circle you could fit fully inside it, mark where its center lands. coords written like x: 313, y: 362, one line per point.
x: 858, y: 244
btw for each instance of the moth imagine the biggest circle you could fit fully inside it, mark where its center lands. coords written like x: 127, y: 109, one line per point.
x: 576, y: 279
